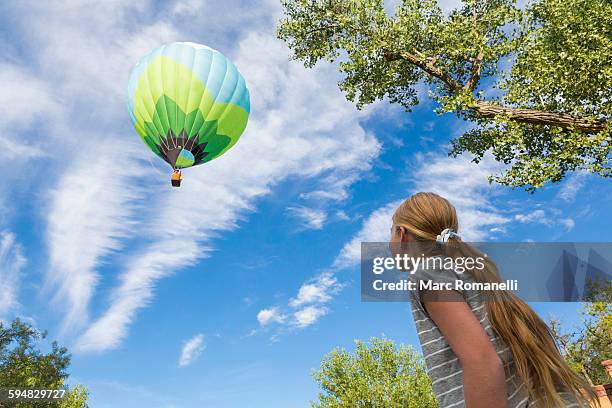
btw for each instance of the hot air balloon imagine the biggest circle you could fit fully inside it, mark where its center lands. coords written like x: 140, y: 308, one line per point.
x: 188, y: 103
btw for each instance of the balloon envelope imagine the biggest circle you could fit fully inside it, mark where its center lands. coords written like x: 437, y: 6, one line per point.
x: 188, y: 103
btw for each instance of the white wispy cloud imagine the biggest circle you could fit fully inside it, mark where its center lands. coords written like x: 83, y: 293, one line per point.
x: 537, y: 216
x: 309, y: 315
x: 89, y: 212
x: 466, y: 186
x: 28, y: 105
x: 342, y: 216
x: 187, y: 8
x: 318, y: 290
x: 135, y: 291
x: 335, y: 186
x: 25, y: 101
x: 306, y: 308
x: 498, y: 230
x: 375, y: 228
x: 549, y: 219
x: 571, y: 186
x: 192, y: 349
x: 310, y: 218
x: 272, y: 315
x: 568, y: 223
x: 87, y: 49
x: 11, y: 264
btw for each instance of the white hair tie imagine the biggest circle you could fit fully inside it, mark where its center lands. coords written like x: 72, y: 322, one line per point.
x: 446, y: 235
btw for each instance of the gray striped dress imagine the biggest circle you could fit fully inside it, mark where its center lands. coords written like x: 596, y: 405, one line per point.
x: 442, y: 363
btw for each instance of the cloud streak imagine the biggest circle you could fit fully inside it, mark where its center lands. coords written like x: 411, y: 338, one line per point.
x: 307, y: 307
x: 90, y: 211
x: 135, y: 291
x: 572, y: 186
x: 466, y: 185
x: 541, y: 217
x: 26, y: 102
x: 309, y: 217
x: 309, y: 316
x: 192, y: 349
x: 375, y: 228
x: 11, y: 264
x: 268, y: 316
x: 318, y: 290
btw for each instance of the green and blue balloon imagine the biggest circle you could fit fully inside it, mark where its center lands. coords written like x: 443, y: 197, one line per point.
x: 188, y: 103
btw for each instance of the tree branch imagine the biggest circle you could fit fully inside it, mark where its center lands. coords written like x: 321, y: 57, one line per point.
x: 538, y: 117
x: 476, y: 68
x: 477, y: 63
x: 426, y: 65
x: 490, y: 110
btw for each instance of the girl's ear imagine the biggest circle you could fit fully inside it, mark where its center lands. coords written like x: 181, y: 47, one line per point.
x: 403, y: 234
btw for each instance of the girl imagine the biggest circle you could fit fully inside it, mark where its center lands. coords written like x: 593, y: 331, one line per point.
x: 480, y: 354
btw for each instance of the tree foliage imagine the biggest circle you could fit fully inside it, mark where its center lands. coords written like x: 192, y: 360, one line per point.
x: 23, y: 365
x: 591, y: 344
x: 377, y: 374
x: 75, y: 398
x: 536, y: 82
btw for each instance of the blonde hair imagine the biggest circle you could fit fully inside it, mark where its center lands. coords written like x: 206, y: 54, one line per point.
x: 537, y: 359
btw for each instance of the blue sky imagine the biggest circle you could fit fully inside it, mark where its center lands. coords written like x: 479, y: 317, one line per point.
x: 234, y: 305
